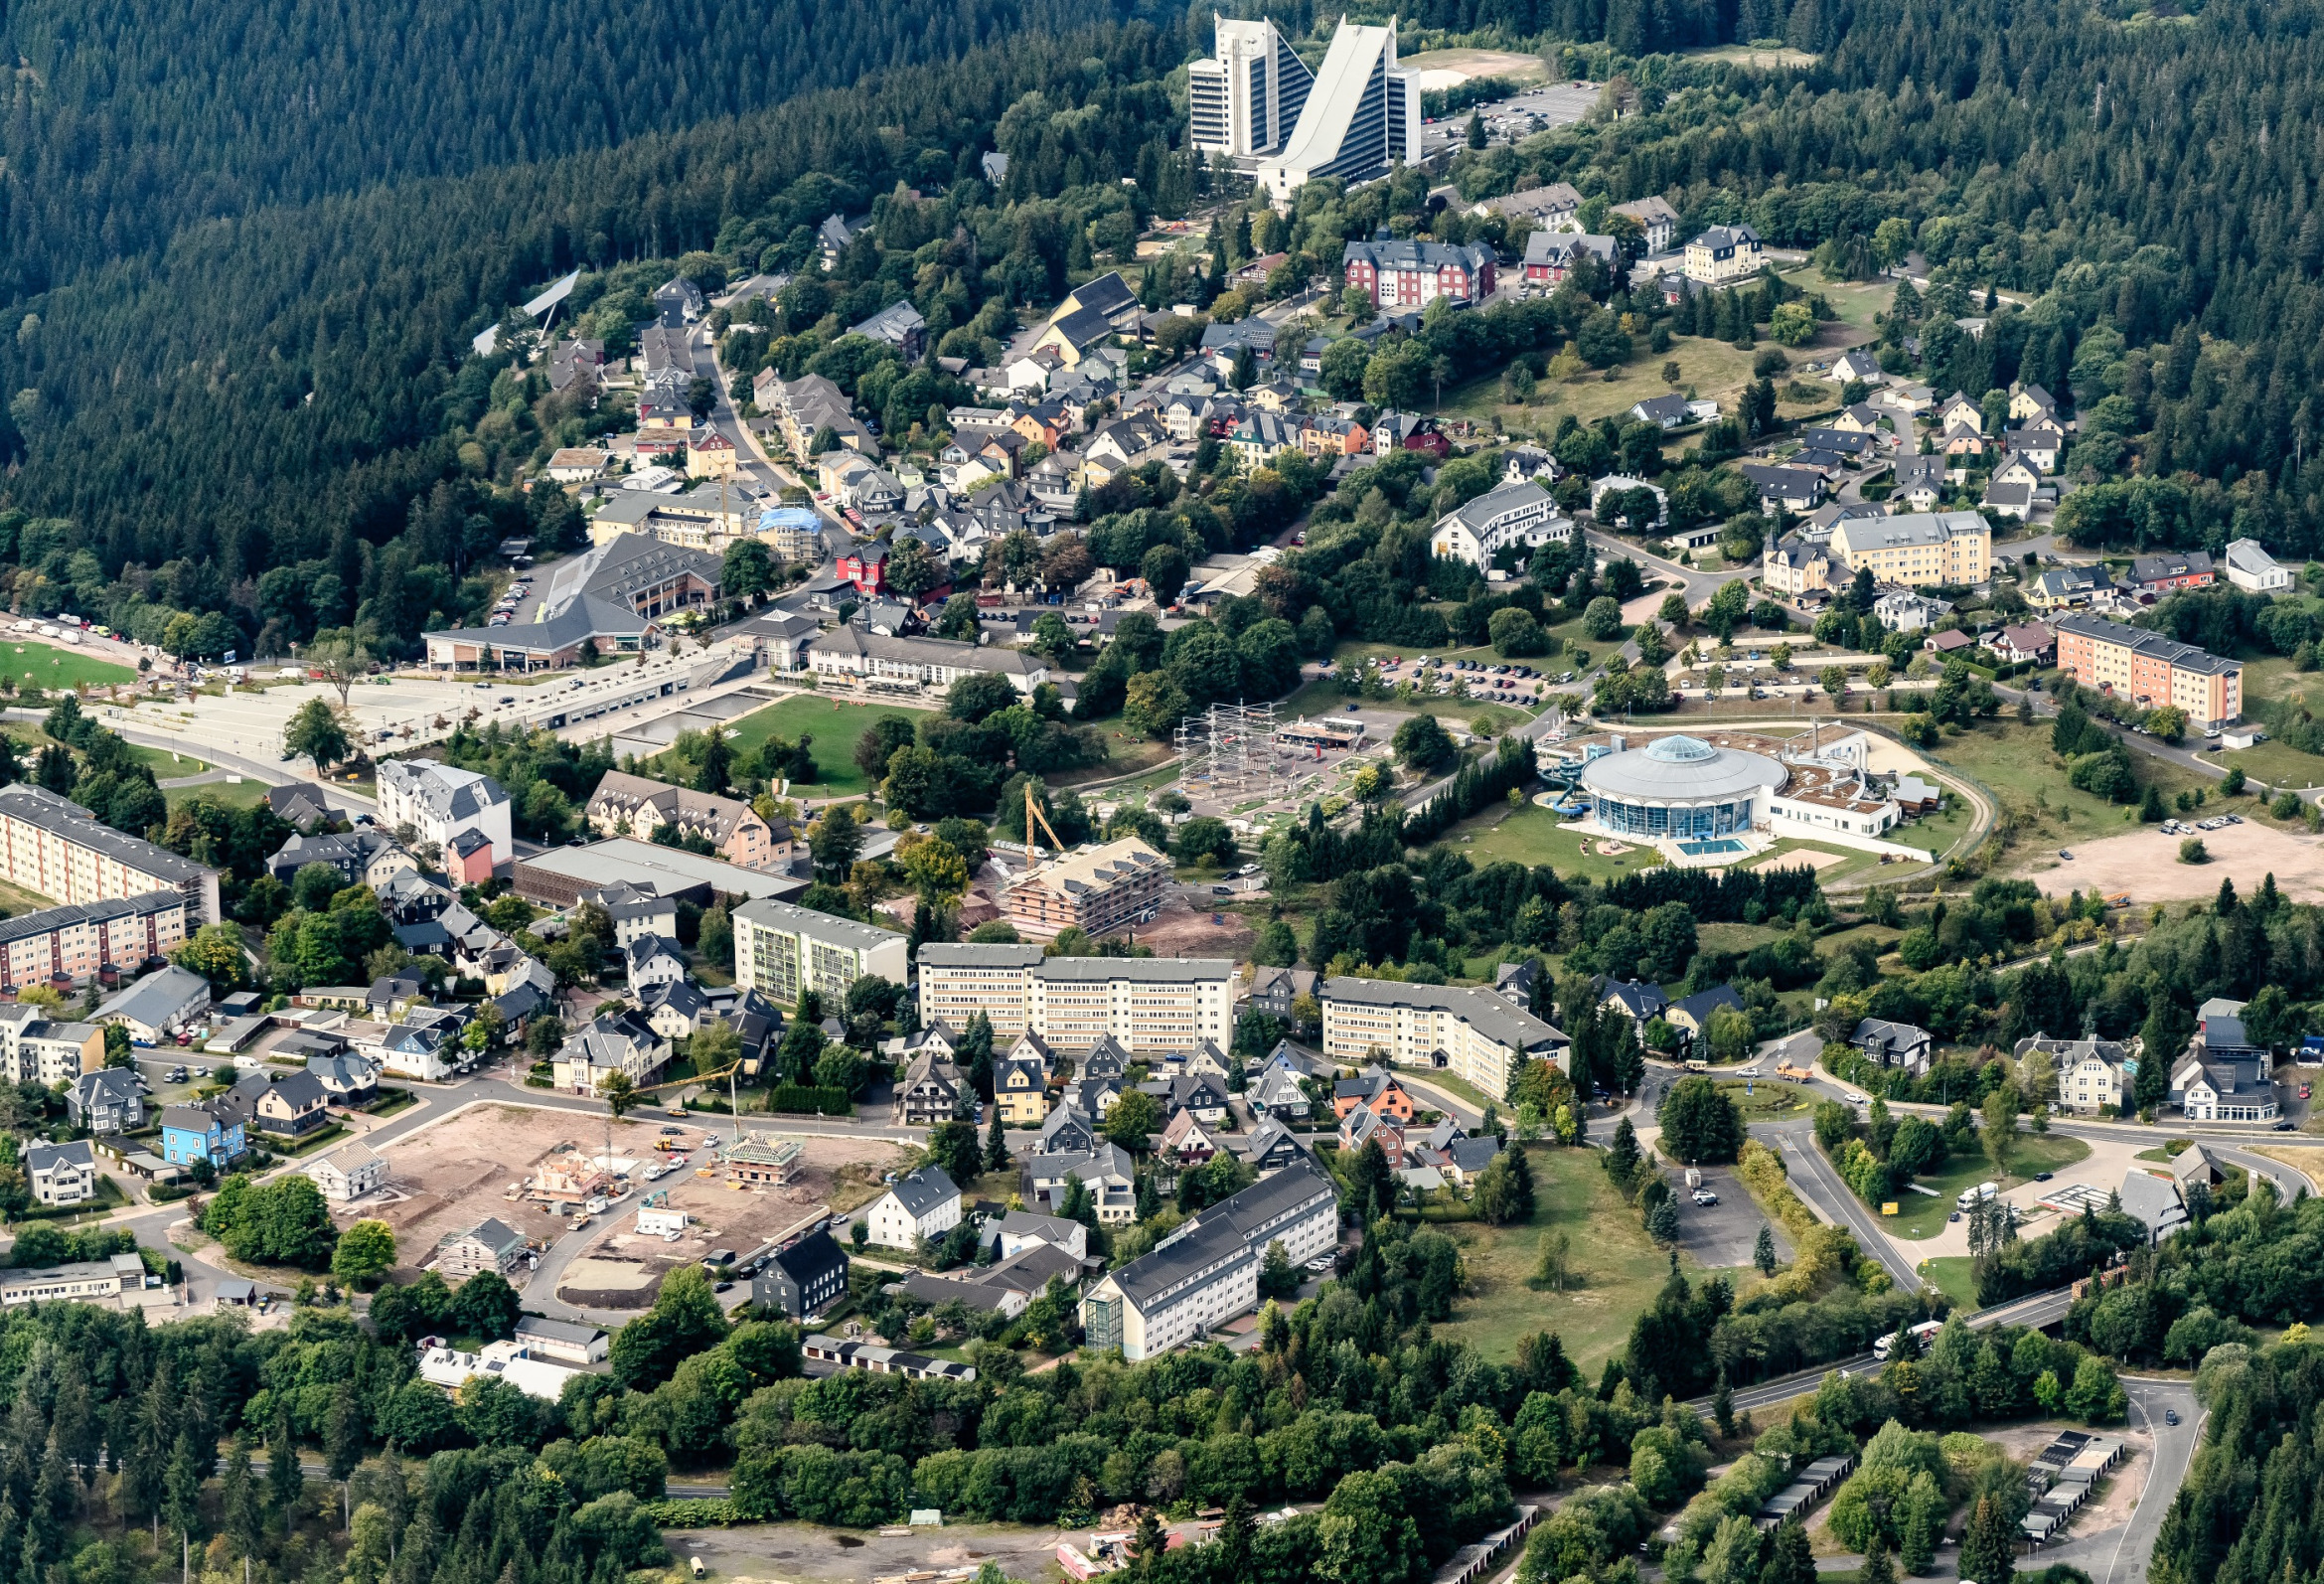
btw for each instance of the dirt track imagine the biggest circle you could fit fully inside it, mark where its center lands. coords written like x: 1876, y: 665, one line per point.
x: 2145, y: 862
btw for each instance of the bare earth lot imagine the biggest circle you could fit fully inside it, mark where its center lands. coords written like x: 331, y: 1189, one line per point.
x: 788, y: 1553
x: 837, y: 1174
x: 1183, y: 930
x: 2145, y: 862
x: 445, y: 1179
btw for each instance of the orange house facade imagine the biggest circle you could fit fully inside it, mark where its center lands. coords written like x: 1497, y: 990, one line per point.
x: 2150, y: 670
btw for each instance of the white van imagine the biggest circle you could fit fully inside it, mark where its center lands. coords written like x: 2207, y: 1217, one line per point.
x: 1970, y: 1199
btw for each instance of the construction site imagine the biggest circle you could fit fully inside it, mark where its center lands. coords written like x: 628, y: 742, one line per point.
x: 544, y: 1172
x: 713, y: 1194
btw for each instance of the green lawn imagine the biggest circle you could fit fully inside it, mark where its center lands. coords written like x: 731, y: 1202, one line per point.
x: 1918, y: 1215
x: 2276, y: 763
x: 1736, y: 937
x: 2014, y: 762
x: 14, y: 899
x: 165, y: 764
x: 1326, y: 698
x: 248, y: 793
x: 1854, y: 861
x: 1620, y: 1267
x: 1767, y: 1099
x: 1532, y: 836
x: 1126, y: 753
x: 1952, y: 1276
x: 47, y: 665
x: 835, y: 724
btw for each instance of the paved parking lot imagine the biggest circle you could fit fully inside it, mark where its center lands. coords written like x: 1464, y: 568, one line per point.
x: 1722, y: 1237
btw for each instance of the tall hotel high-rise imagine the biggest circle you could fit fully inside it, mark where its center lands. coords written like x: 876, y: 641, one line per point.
x: 1247, y: 97
x: 1361, y: 119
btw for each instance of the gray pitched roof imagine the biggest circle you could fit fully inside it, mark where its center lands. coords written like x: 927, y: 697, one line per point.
x: 922, y: 1190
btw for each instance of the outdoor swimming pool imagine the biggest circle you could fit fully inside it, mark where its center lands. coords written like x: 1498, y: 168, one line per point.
x: 1700, y: 849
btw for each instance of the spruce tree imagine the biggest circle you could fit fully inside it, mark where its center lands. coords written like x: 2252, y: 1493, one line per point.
x: 1878, y: 1569
x: 1723, y: 1407
x: 996, y: 1147
x: 285, y: 1479
x: 1763, y: 1252
x: 1621, y: 1155
x: 1916, y: 1541
x: 1790, y: 1560
x: 1988, y: 1549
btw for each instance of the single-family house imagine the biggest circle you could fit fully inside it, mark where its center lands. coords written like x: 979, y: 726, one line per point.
x: 1895, y: 1044
x: 61, y: 1173
x: 920, y: 1204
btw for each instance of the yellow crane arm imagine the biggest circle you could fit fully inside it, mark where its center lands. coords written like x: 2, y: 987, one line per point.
x: 680, y: 1083
x: 1033, y: 813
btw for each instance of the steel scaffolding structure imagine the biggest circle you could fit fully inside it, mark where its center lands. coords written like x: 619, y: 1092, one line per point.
x: 1228, y: 751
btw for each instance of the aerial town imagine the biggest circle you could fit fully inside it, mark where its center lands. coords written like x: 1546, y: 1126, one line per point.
x: 1363, y: 798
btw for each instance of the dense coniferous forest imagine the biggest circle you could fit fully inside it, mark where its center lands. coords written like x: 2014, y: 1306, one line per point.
x: 279, y: 391
x: 132, y: 120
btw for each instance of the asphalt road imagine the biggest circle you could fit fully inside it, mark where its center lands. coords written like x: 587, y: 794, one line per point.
x: 2122, y: 1554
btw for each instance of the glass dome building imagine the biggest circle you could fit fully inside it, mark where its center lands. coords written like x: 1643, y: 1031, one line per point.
x: 1681, y: 787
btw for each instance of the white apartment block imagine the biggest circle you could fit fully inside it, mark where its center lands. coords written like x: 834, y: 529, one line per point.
x: 444, y: 802
x: 1207, y: 1272
x: 1144, y: 1003
x: 33, y: 1050
x: 780, y: 950
x: 1475, y: 1034
x: 53, y: 846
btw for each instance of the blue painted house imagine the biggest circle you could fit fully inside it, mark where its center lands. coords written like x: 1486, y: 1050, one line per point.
x: 191, y: 1133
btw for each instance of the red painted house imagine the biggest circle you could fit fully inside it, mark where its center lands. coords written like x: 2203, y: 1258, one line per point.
x: 1414, y: 275
x: 867, y: 568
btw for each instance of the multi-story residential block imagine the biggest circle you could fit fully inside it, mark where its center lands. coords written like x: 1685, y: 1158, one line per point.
x: 1144, y: 1003
x: 1513, y: 514
x: 106, y: 1101
x: 1361, y: 116
x: 643, y: 804
x: 2149, y: 670
x: 72, y: 942
x: 492, y: 1244
x: 1139, y: 1002
x: 1918, y: 550
x: 1473, y: 1034
x: 442, y: 802
x: 53, y: 846
x: 780, y: 950
x: 2094, y: 1075
x: 203, y: 1132
x: 625, y: 1043
x: 1206, y: 1271
x: 33, y: 1050
x: 920, y: 1204
x: 1723, y: 254
x: 1413, y: 274
x: 1656, y: 217
x: 1097, y: 889
x: 1247, y: 97
x: 62, y: 1173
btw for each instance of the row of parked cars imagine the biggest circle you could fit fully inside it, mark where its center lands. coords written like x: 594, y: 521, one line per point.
x: 2217, y: 821
x: 505, y: 611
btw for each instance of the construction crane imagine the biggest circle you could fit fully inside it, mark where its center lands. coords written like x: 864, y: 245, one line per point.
x: 733, y: 1104
x: 1033, y: 813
